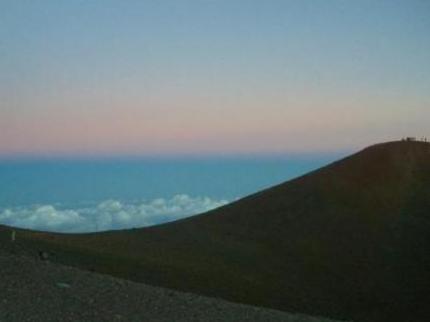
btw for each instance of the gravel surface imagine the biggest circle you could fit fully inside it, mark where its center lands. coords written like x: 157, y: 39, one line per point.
x: 34, y: 290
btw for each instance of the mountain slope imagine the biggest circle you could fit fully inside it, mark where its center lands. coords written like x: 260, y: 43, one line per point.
x: 349, y: 241
x: 36, y: 291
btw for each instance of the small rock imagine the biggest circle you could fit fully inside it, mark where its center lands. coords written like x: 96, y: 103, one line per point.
x: 63, y: 285
x: 43, y: 255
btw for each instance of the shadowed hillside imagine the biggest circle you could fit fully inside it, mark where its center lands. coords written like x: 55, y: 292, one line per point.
x: 348, y: 241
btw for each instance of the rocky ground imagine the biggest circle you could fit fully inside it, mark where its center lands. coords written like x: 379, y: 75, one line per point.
x: 36, y: 290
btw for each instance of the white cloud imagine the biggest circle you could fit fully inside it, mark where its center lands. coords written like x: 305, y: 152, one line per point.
x: 107, y: 215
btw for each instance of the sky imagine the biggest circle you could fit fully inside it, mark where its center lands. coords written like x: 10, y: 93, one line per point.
x: 149, y: 78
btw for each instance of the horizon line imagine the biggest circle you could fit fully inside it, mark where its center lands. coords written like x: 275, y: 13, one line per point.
x: 27, y: 157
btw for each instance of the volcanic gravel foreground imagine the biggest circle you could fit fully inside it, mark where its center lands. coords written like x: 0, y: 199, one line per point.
x: 35, y: 290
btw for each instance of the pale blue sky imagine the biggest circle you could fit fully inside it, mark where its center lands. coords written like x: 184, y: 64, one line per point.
x: 210, y: 77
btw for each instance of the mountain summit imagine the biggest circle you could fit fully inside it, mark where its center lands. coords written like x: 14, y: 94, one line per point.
x: 350, y: 241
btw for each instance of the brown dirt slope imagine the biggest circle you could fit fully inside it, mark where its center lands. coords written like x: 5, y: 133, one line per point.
x: 348, y: 241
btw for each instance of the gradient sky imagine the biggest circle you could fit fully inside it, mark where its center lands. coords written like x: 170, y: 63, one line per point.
x: 95, y: 78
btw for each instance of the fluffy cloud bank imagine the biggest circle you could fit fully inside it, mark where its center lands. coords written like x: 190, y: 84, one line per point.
x: 107, y: 215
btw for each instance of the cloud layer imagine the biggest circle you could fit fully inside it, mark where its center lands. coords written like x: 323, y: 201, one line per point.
x: 107, y: 215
